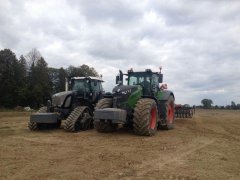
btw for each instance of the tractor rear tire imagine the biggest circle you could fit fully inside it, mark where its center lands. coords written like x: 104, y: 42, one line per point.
x: 102, y: 125
x: 33, y: 126
x: 80, y: 119
x: 145, y: 117
x: 167, y: 114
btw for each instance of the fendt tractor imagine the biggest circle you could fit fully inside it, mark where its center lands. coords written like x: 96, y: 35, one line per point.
x: 75, y: 107
x: 141, y: 104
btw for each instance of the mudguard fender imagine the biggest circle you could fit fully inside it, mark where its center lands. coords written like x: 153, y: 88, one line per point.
x: 165, y: 95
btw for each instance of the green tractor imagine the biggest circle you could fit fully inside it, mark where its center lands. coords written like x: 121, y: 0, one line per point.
x: 141, y: 104
x: 75, y: 107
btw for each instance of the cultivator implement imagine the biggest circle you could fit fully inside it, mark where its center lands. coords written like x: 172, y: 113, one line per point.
x: 184, y: 111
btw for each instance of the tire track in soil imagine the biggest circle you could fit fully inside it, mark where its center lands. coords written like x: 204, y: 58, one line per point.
x: 158, y: 163
x: 182, y: 153
x: 215, y: 133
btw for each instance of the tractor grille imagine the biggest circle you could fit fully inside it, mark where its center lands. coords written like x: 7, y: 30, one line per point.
x: 120, y: 101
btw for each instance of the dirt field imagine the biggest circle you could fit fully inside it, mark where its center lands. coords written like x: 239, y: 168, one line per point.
x: 205, y: 147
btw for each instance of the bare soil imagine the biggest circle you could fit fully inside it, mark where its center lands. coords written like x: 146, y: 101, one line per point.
x: 204, y: 147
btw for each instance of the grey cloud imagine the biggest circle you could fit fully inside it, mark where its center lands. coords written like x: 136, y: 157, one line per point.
x: 114, y: 50
x: 107, y: 11
x: 188, y: 12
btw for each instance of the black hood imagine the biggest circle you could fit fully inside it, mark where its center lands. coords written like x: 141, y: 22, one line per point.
x: 121, y: 94
x: 59, y: 98
x: 124, y: 89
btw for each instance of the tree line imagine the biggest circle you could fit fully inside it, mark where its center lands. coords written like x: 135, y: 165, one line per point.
x: 28, y: 81
x: 207, y: 104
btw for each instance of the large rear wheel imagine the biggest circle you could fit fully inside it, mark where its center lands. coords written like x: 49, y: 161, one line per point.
x: 103, y: 125
x: 167, y: 114
x: 145, y: 117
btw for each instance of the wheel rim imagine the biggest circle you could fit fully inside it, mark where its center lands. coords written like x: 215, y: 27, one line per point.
x: 153, y: 118
x: 170, y: 113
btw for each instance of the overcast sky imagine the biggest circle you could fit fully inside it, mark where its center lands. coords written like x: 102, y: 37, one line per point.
x: 196, y: 42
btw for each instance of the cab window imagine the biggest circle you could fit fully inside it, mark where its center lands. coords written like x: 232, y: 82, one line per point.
x: 96, y: 85
x: 138, y: 79
x: 155, y: 79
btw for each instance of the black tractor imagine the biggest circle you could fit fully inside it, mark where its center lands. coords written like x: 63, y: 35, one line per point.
x: 75, y: 107
x: 141, y: 104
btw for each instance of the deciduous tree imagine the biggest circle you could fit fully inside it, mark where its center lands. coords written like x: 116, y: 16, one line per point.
x: 207, y: 103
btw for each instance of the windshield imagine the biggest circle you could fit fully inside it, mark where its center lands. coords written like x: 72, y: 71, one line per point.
x: 95, y: 86
x: 79, y: 85
x: 138, y: 79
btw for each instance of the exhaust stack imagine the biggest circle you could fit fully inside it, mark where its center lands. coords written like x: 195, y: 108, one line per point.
x: 66, y: 84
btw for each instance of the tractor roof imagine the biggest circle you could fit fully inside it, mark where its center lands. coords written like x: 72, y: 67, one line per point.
x: 147, y: 71
x: 143, y: 72
x: 89, y: 77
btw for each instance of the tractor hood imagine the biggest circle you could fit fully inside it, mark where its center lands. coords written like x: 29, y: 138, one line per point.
x: 125, y: 96
x: 59, y: 98
x: 124, y: 89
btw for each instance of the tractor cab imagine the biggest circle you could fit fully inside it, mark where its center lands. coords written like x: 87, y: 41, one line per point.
x: 87, y: 87
x: 147, y: 79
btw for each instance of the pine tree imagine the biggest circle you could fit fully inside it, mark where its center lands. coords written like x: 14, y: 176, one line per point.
x: 8, y: 78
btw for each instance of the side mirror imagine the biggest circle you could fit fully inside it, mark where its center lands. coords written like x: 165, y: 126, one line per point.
x: 71, y: 83
x: 160, y: 78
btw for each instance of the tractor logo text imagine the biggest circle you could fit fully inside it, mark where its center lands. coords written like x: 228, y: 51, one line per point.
x: 127, y: 91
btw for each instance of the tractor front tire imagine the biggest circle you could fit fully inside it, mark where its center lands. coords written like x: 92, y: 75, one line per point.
x: 36, y: 126
x: 145, y: 117
x: 102, y: 125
